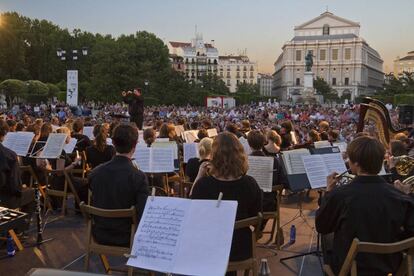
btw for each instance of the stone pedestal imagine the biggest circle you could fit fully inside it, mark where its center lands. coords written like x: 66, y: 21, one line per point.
x: 308, y: 94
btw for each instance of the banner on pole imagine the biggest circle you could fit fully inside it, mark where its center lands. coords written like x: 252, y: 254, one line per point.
x: 72, y: 88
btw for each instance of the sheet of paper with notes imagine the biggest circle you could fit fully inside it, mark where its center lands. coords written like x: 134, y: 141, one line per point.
x: 190, y: 151
x: 154, y: 160
x: 293, y: 162
x: 261, y: 169
x: 54, y: 145
x: 183, y: 236
x: 19, y: 142
x: 71, y: 145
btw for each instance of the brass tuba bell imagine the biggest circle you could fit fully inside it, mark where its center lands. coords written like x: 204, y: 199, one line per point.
x: 403, y: 164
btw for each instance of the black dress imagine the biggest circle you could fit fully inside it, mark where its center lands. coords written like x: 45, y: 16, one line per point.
x: 96, y: 157
x: 193, y: 165
x: 249, y: 197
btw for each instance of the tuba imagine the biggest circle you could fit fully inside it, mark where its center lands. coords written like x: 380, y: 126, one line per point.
x: 404, y: 165
x: 375, y: 111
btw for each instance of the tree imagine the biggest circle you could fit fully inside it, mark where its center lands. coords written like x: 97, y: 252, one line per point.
x: 404, y: 84
x: 246, y: 93
x: 37, y: 91
x: 53, y: 90
x: 323, y: 88
x: 13, y: 89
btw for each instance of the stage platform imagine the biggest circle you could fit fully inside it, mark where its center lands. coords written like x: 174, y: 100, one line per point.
x: 66, y: 251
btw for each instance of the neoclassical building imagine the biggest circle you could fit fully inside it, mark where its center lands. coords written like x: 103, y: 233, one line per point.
x: 194, y: 58
x: 341, y: 57
x: 404, y: 64
x: 235, y: 70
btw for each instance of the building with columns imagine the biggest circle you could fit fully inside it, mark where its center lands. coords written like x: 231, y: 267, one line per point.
x: 265, y: 84
x: 194, y: 59
x: 404, y: 64
x: 235, y: 70
x: 341, y: 57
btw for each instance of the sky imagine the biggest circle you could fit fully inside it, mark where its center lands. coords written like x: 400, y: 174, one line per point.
x: 260, y: 27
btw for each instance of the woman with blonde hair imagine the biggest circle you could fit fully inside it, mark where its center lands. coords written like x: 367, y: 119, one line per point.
x: 193, y: 164
x: 226, y: 173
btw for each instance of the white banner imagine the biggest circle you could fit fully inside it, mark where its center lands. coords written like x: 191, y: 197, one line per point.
x: 72, y: 88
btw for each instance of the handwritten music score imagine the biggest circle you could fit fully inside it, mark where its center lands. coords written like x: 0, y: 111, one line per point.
x: 183, y: 236
x: 19, y: 142
x: 261, y: 169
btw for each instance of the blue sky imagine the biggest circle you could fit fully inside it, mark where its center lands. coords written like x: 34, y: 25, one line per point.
x: 260, y: 26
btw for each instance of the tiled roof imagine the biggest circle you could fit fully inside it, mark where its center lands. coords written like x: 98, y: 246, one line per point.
x: 407, y: 58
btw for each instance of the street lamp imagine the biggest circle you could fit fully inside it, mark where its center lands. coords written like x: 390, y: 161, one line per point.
x: 146, y: 83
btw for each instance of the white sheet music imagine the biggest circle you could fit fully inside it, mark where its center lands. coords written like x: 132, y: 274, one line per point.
x: 142, y: 157
x: 334, y: 163
x: 154, y: 160
x: 315, y: 170
x: 54, y: 145
x: 341, y: 145
x: 293, y: 161
x: 71, y: 145
x: 182, y: 236
x: 261, y: 169
x: 19, y: 142
x: 322, y: 144
x: 167, y: 144
x: 162, y: 160
x: 190, y: 151
x: 190, y: 136
x: 109, y: 141
x: 88, y: 131
x: 246, y: 146
x: 162, y: 140
x: 212, y: 132
x: 141, y: 136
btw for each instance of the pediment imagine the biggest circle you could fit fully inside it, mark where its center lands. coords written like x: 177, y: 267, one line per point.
x: 327, y: 18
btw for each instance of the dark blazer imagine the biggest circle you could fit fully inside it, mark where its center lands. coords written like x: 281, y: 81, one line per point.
x: 96, y: 157
x: 117, y: 184
x: 371, y: 210
x: 135, y: 104
x: 82, y: 143
x: 10, y: 184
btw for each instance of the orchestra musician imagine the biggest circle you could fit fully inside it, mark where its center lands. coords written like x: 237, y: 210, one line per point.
x: 135, y: 102
x: 368, y: 208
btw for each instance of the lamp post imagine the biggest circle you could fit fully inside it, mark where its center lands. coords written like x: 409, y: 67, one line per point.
x: 146, y: 83
x: 71, y: 75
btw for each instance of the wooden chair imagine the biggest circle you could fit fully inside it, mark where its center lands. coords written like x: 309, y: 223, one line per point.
x: 406, y: 247
x: 94, y: 247
x: 33, y: 179
x: 158, y: 191
x: 251, y: 263
x: 275, y: 231
x: 67, y: 188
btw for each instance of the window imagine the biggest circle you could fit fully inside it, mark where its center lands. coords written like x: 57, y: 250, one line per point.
x: 333, y: 81
x: 298, y: 55
x: 251, y: 68
x: 297, y: 81
x: 347, y: 53
x: 346, y: 81
x: 238, y: 68
x: 221, y: 74
x: 334, y: 54
x: 251, y: 74
x: 325, y: 30
x: 228, y: 74
x: 244, y: 68
x: 179, y: 66
x: 238, y: 75
x: 228, y: 68
x: 322, y: 54
x: 244, y: 75
x: 238, y: 82
x: 228, y: 82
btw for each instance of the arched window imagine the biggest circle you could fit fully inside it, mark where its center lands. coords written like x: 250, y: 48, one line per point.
x: 326, y: 29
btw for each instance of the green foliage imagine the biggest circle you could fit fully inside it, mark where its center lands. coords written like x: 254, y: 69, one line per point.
x: 246, y: 93
x: 323, y: 88
x: 53, y: 90
x: 37, y: 91
x: 404, y: 84
x: 61, y: 96
x: 13, y: 89
x: 404, y: 99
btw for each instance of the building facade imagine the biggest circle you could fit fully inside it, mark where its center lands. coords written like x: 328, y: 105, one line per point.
x: 404, y: 64
x: 194, y: 59
x: 341, y: 57
x: 265, y: 84
x: 235, y: 70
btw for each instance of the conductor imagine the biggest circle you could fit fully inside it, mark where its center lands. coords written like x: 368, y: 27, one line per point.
x: 135, y: 100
